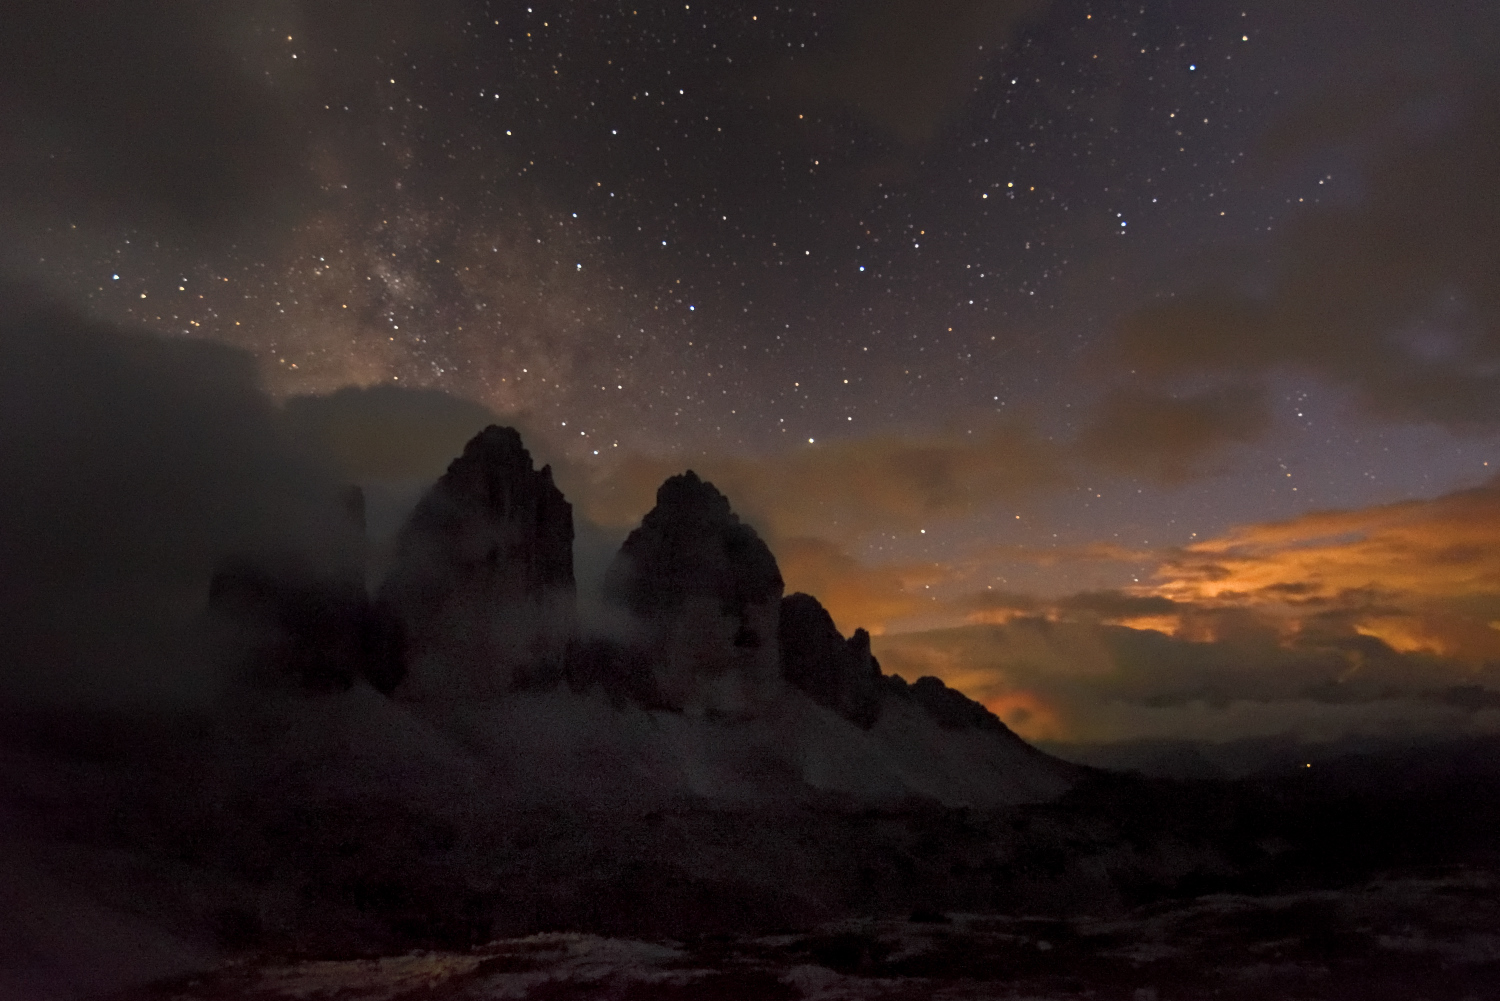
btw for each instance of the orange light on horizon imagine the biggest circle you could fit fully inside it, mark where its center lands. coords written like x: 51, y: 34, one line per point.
x: 1030, y: 716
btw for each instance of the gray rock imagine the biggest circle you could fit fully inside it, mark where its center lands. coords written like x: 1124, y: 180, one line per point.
x: 705, y: 592
x: 482, y: 581
x: 837, y: 673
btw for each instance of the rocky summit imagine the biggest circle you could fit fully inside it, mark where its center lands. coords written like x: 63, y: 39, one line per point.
x: 706, y: 593
x: 482, y: 581
x: 466, y: 755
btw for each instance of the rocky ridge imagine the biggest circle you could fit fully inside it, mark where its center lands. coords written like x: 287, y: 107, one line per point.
x: 838, y: 674
x: 747, y: 695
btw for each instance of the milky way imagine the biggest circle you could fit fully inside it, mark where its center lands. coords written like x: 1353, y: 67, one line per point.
x: 1082, y: 279
x: 731, y: 226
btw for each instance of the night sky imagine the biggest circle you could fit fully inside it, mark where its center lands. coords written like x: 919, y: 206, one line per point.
x: 1039, y: 337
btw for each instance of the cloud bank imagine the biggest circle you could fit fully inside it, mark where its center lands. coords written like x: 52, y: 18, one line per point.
x: 1384, y: 620
x: 130, y: 465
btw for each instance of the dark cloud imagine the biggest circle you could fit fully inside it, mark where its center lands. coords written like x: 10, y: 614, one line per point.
x: 1117, y: 604
x: 385, y: 432
x: 1171, y: 437
x: 1375, y: 620
x: 1002, y: 604
x: 1391, y: 293
x: 130, y: 465
x: 196, y: 120
x: 1077, y: 680
x: 145, y: 112
x: 395, y: 442
x: 1471, y: 697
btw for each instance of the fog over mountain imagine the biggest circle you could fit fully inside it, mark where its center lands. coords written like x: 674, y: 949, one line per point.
x: 899, y: 498
x: 243, y: 734
x: 694, y: 677
x: 205, y: 646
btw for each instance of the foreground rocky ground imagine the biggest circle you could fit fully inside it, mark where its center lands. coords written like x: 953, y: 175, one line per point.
x: 1435, y: 935
x: 1372, y: 877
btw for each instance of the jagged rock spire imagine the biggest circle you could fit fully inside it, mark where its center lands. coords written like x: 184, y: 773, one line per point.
x: 692, y: 544
x: 482, y: 581
x: 706, y: 591
x: 837, y: 673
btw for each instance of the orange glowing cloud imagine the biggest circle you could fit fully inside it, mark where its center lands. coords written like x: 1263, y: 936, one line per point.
x: 814, y: 503
x: 1329, y: 624
x: 1023, y: 672
x: 1028, y: 714
x: 1419, y: 575
x: 854, y: 594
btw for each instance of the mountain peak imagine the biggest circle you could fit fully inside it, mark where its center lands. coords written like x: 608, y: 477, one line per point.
x: 687, y: 495
x: 707, y: 591
x: 483, y: 576
x: 692, y: 544
x: 494, y: 466
x: 836, y: 673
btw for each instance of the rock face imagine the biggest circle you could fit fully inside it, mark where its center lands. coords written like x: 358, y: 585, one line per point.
x: 951, y: 709
x: 838, y: 674
x: 706, y: 594
x: 482, y: 582
x: 842, y: 675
